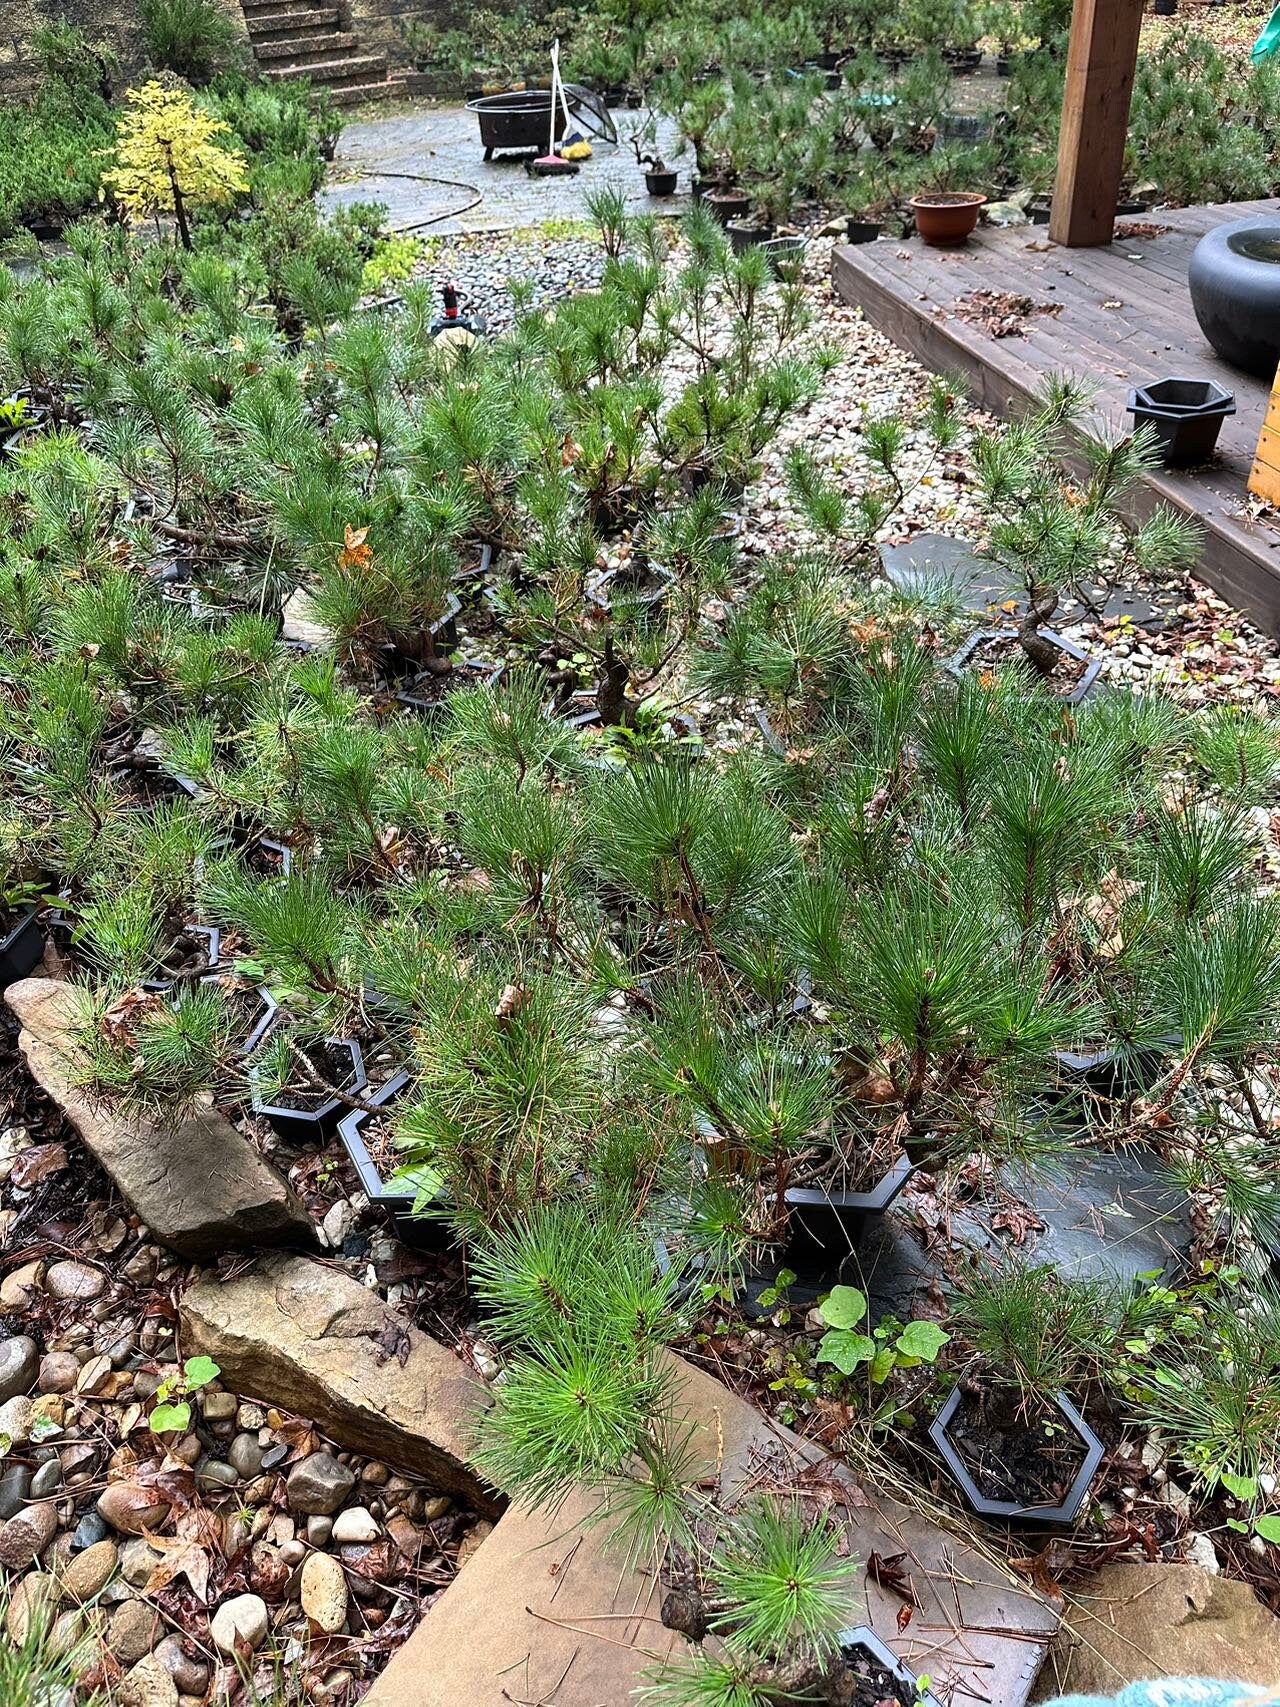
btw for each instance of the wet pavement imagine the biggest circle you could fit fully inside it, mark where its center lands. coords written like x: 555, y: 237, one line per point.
x: 391, y: 160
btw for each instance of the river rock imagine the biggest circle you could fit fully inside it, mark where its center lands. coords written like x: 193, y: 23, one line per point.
x: 34, y: 1596
x: 130, y: 1508
x: 148, y: 1684
x: 15, y: 1419
x: 1139, y: 1621
x: 243, y: 1619
x: 15, y: 1485
x: 245, y: 1456
x: 24, y: 1537
x: 324, y: 1593
x: 318, y: 1484
x: 47, y: 1480
x: 191, y: 1676
x: 74, y: 1282
x: 90, y: 1572
x: 59, y: 1371
x: 19, y: 1361
x: 132, y: 1631
x: 356, y: 1524
x: 196, y: 1182
x: 138, y: 1558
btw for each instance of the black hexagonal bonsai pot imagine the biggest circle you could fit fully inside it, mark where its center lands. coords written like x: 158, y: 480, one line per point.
x: 21, y: 950
x: 425, y: 1232
x: 824, y: 1231
x: 862, y: 1639
x: 1064, y: 1514
x: 1084, y: 687
x: 312, y: 1125
x: 1187, y: 415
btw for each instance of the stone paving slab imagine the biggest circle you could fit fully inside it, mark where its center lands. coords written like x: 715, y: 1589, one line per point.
x: 542, y: 1614
x: 300, y: 1333
x: 377, y: 158
x: 198, y: 1184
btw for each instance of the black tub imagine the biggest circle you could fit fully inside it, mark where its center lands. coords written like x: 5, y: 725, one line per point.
x: 519, y: 120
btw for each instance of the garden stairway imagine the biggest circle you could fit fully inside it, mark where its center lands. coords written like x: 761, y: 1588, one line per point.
x: 294, y: 38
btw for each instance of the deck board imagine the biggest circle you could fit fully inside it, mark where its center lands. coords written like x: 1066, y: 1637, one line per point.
x: 1148, y: 332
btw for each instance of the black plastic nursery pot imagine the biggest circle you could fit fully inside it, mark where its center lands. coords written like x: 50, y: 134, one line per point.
x: 862, y: 230
x: 303, y: 1124
x: 727, y: 204
x: 661, y: 184
x: 1165, y: 8
x: 1187, y: 415
x: 875, y: 1665
x: 21, y: 948
x: 1065, y: 1513
x: 747, y: 233
x: 963, y: 59
x: 424, y: 1232
x: 966, y: 658
x: 824, y: 1232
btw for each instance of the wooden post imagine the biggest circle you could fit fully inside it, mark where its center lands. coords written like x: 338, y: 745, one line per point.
x: 1101, y: 62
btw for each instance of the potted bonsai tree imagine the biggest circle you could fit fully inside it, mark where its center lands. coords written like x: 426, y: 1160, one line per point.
x: 1015, y: 1443
x: 1053, y: 533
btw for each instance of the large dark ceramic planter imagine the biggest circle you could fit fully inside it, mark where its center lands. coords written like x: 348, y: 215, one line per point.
x: 310, y: 1125
x: 21, y: 949
x: 1063, y: 1514
x: 1187, y: 415
x: 860, y: 1646
x: 425, y: 1232
x: 1234, y: 278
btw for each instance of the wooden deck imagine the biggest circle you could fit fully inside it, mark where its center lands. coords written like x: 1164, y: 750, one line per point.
x: 1125, y: 317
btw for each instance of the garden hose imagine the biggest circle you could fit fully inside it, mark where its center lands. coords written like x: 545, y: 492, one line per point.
x: 476, y: 194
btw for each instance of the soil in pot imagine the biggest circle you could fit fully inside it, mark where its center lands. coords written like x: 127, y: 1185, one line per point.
x: 948, y: 218
x: 1027, y: 1456
x: 1071, y: 679
x: 332, y: 1061
x: 874, y: 1685
x: 193, y: 952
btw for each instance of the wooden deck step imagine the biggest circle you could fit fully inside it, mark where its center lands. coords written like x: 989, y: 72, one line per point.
x: 1123, y: 316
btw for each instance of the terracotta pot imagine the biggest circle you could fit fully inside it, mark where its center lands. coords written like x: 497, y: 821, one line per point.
x: 947, y: 219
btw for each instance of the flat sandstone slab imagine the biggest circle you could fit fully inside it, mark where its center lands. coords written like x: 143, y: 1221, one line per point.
x: 295, y: 1332
x: 542, y: 1613
x: 198, y: 1184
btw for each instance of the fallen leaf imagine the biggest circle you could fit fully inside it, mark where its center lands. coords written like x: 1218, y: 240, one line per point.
x: 187, y: 1553
x: 892, y: 1574
x: 38, y: 1163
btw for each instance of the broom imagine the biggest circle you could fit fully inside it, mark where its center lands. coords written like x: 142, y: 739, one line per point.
x: 550, y: 165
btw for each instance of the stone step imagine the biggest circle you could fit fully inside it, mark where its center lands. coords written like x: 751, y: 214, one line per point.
x: 320, y: 49
x: 355, y: 69
x: 196, y: 1181
x: 356, y: 94
x: 542, y: 1600
x: 265, y: 25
